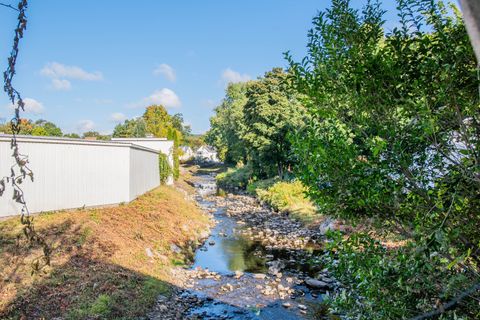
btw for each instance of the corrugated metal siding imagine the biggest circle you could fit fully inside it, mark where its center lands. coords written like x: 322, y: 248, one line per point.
x: 144, y: 172
x: 72, y: 173
x: 159, y: 144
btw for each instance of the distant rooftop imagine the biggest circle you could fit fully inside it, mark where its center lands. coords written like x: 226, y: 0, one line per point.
x: 141, y: 139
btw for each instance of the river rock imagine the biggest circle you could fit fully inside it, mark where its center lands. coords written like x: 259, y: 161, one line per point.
x: 317, y: 284
x: 175, y: 248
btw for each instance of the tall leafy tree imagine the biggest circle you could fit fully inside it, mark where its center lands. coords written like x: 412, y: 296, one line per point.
x: 131, y: 128
x: 157, y: 120
x: 227, y: 125
x: 272, y: 110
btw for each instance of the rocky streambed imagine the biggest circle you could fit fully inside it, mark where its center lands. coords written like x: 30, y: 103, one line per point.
x: 256, y: 264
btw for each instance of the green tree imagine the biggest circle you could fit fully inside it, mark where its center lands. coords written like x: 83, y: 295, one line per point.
x: 134, y: 128
x: 157, y: 120
x: 272, y: 110
x: 39, y: 131
x: 72, y: 135
x: 178, y: 123
x: 227, y: 125
x: 50, y: 128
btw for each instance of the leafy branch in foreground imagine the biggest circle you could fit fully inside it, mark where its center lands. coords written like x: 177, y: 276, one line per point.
x: 20, y: 170
x: 394, y: 137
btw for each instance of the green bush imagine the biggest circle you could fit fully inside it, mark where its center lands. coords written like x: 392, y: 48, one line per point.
x: 165, y: 168
x: 288, y: 197
x: 252, y: 187
x: 238, y: 177
x: 385, y: 283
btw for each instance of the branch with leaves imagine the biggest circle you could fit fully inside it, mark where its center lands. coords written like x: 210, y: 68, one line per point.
x: 449, y: 305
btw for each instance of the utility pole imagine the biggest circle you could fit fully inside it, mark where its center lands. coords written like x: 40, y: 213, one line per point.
x: 471, y: 16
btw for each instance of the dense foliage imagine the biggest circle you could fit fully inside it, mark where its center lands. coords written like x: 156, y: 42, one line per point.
x: 164, y: 167
x: 253, y: 122
x: 271, y: 111
x: 131, y: 128
x: 34, y: 128
x: 157, y: 122
x: 394, y: 135
x: 235, y: 178
x: 227, y: 126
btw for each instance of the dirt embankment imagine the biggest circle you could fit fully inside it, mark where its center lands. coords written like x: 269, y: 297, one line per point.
x: 105, y: 263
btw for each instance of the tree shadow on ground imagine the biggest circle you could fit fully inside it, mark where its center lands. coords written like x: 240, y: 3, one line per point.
x: 82, y: 283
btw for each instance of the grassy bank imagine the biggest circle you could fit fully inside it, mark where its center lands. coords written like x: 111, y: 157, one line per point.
x: 106, y: 263
x: 284, y: 196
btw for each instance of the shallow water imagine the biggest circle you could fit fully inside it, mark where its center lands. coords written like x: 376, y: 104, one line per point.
x: 225, y: 252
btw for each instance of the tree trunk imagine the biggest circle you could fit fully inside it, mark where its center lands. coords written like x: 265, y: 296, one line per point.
x: 280, y: 170
x: 471, y: 16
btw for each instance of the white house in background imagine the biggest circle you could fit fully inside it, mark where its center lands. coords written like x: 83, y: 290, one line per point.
x: 187, y: 153
x: 206, y: 154
x: 159, y: 144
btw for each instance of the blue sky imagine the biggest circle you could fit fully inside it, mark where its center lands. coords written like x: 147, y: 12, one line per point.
x: 86, y: 65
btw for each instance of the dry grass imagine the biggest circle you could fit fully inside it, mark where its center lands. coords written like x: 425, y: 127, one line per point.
x: 100, y: 267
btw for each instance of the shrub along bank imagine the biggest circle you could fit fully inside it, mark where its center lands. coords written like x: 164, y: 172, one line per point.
x: 288, y: 197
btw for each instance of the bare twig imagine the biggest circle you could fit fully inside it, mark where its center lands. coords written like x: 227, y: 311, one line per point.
x: 8, y: 6
x: 20, y: 170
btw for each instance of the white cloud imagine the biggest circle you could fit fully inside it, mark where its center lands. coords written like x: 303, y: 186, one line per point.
x: 232, y: 76
x: 61, y: 84
x: 85, y: 125
x: 118, y: 117
x: 165, y: 97
x: 57, y: 71
x: 31, y: 106
x: 167, y: 71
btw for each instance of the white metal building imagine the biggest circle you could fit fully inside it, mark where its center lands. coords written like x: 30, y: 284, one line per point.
x: 72, y: 173
x: 160, y: 144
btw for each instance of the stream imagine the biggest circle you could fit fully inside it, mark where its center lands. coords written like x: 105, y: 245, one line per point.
x: 238, y: 274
